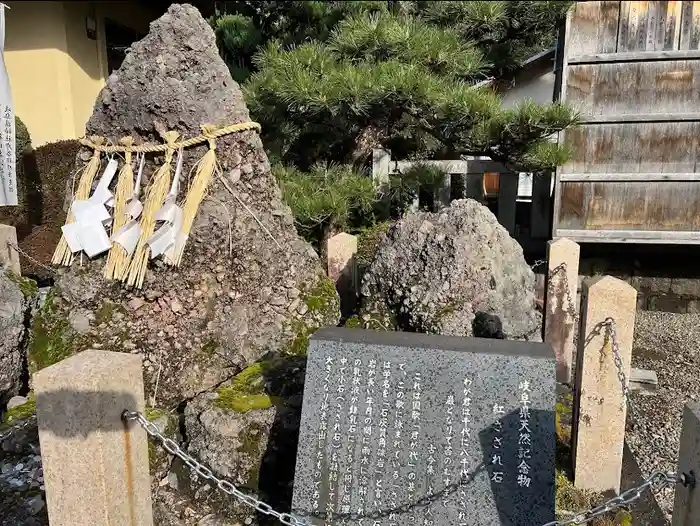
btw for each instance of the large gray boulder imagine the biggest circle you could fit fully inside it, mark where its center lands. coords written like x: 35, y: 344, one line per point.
x: 237, y: 294
x: 237, y: 297
x: 434, y: 271
x: 13, y: 330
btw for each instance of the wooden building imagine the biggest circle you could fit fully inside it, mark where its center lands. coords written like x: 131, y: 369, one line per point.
x: 633, y: 71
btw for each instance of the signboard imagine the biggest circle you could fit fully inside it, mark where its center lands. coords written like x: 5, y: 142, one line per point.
x: 8, y: 161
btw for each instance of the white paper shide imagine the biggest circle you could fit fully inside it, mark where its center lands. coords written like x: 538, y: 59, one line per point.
x: 91, y: 218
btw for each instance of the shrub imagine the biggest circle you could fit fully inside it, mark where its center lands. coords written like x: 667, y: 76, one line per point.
x: 23, y: 142
x: 41, y: 180
x: 324, y: 199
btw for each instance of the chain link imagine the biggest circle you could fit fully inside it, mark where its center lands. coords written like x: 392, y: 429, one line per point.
x: 571, y: 307
x: 224, y: 485
x: 612, y: 334
x: 30, y: 258
x: 21, y: 425
x: 658, y: 480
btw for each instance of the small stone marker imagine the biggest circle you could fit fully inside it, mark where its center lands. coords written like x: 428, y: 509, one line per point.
x: 560, y: 296
x: 600, y: 412
x: 9, y: 256
x: 686, y: 508
x: 404, y: 428
x: 342, y: 249
x: 95, y: 467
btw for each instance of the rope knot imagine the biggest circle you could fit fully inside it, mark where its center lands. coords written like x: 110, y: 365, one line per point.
x: 209, y: 131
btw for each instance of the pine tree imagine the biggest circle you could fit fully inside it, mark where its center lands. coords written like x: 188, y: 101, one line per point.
x: 332, y: 80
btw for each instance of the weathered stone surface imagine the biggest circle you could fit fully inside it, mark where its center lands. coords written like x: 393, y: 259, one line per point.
x: 12, y: 349
x: 247, y: 431
x: 463, y: 426
x: 199, y: 324
x: 434, y: 271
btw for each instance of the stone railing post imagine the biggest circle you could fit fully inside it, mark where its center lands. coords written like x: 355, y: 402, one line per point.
x: 95, y: 466
x: 599, y: 402
x: 380, y: 167
x: 8, y: 255
x: 686, y: 509
x: 561, y: 307
x: 342, y: 268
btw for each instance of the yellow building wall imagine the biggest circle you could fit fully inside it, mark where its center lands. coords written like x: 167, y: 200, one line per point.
x: 56, y: 72
x: 35, y: 50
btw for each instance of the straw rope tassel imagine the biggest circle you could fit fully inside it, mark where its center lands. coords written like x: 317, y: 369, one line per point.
x: 117, y: 258
x: 155, y: 195
x: 62, y: 255
x: 197, y: 191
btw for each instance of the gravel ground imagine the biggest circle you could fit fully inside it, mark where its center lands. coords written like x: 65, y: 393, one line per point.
x: 670, y: 345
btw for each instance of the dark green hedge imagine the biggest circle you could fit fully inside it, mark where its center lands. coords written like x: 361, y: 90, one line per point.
x: 42, y: 176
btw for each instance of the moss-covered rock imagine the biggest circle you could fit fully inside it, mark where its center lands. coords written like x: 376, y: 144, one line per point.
x: 246, y: 391
x: 322, y: 308
x: 27, y: 286
x: 51, y: 337
x: 368, y: 240
x: 19, y: 413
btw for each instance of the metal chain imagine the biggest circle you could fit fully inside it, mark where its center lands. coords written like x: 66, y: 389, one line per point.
x: 571, y: 307
x: 612, y: 333
x: 12, y: 430
x: 206, y: 473
x: 658, y: 480
x: 30, y: 258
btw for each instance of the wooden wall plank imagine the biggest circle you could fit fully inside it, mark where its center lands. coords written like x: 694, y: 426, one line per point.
x: 653, y: 25
x: 650, y: 147
x: 659, y: 206
x: 632, y: 27
x: 686, y: 25
x: 612, y: 89
x: 593, y: 28
x: 642, y: 26
x: 673, y: 25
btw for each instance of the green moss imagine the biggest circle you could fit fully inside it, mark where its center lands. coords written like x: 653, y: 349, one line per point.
x: 28, y: 287
x: 299, y: 343
x: 210, y: 347
x: 354, y: 322
x: 368, y: 240
x: 448, y: 309
x: 246, y: 391
x: 19, y: 413
x: 106, y: 312
x: 571, y: 499
x: 322, y: 298
x: 52, y: 338
x: 323, y: 308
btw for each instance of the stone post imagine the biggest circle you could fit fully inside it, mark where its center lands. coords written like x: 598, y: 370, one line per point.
x: 686, y: 509
x: 561, y: 287
x: 599, y: 403
x: 9, y: 256
x: 443, y: 196
x: 95, y: 466
x: 380, y: 167
x: 342, y: 268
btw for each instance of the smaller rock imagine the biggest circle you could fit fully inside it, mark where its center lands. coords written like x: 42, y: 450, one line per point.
x: 79, y: 320
x: 36, y: 505
x: 136, y: 303
x: 176, y: 306
x: 16, y: 401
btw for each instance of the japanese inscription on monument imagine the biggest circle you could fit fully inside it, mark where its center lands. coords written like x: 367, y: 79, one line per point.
x: 401, y: 428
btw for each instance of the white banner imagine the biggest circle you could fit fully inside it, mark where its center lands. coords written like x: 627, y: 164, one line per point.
x: 8, y: 163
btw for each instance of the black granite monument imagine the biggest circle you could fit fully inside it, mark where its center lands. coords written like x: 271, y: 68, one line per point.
x: 401, y: 429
